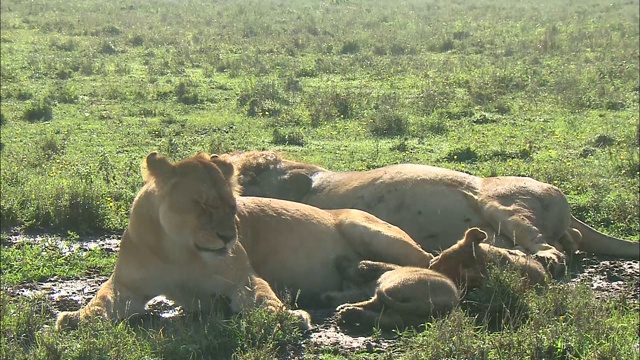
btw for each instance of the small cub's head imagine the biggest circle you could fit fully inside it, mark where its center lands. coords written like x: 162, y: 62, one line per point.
x: 196, y: 200
x: 464, y: 262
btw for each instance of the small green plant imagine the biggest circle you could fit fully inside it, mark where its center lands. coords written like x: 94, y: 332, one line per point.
x: 463, y: 155
x: 502, y: 303
x: 283, y: 137
x: 388, y: 123
x: 50, y: 146
x: 39, y: 110
x: 264, y: 99
x: 186, y: 94
x: 350, y: 47
x: 108, y: 48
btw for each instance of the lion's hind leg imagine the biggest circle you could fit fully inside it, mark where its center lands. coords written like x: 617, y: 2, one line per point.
x: 359, y: 280
x: 370, y: 314
x: 377, y: 240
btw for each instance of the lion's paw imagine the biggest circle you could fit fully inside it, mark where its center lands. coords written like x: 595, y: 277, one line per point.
x: 553, y: 260
x: 67, y: 320
x: 303, y: 319
x: 343, y: 307
x: 348, y: 314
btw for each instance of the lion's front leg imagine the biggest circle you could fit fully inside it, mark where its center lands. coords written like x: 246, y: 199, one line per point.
x: 512, y: 222
x: 112, y: 302
x: 257, y: 292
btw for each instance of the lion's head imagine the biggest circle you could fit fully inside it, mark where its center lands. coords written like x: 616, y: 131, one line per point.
x: 195, y: 200
x: 464, y: 262
x: 266, y: 174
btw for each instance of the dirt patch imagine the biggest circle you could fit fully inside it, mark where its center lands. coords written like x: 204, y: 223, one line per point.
x: 609, y: 278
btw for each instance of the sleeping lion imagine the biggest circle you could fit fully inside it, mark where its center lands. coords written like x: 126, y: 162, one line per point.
x: 391, y: 296
x: 190, y: 238
x: 435, y: 206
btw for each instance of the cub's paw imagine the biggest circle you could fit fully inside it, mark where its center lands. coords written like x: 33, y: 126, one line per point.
x: 553, y: 260
x: 348, y: 314
x: 302, y: 319
x: 67, y: 320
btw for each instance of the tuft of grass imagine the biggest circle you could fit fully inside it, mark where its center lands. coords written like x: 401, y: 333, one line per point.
x: 464, y: 154
x: 39, y: 110
x: 283, y: 137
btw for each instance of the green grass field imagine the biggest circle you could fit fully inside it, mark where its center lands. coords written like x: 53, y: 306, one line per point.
x: 547, y: 89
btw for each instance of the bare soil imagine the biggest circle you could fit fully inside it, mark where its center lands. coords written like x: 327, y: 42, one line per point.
x: 609, y: 278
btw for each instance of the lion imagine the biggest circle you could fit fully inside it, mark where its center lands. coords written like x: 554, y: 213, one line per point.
x: 392, y: 296
x: 435, y: 206
x: 191, y: 237
x: 466, y: 261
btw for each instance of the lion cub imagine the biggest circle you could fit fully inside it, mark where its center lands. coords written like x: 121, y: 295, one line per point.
x: 403, y: 296
x: 466, y: 261
x: 408, y: 296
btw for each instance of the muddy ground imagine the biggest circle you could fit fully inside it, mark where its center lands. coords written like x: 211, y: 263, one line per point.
x: 609, y: 278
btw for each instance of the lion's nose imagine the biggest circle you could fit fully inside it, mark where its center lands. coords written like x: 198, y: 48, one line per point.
x: 226, y: 237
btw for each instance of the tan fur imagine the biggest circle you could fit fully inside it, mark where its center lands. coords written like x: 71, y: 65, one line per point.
x: 466, y: 261
x: 189, y: 238
x: 396, y: 296
x: 392, y: 296
x: 435, y: 206
x: 181, y: 242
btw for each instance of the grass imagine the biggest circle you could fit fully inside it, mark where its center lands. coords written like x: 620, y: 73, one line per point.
x: 27, y: 334
x: 546, y: 89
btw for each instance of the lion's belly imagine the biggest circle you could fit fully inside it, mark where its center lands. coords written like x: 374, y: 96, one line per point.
x: 292, y: 245
x: 434, y: 216
x: 306, y: 264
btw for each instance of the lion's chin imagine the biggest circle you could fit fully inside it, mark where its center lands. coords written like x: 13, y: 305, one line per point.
x: 223, y: 251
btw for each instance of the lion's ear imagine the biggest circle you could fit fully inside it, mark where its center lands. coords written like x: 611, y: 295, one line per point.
x: 296, y: 184
x: 225, y: 167
x: 474, y: 236
x: 156, y: 167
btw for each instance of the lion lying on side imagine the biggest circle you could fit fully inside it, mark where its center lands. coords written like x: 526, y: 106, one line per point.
x: 435, y: 205
x: 191, y: 238
x: 392, y: 296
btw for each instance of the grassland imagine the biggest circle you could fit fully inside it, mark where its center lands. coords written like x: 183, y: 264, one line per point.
x: 547, y: 89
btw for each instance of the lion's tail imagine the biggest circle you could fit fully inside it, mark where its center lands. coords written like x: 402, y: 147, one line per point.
x: 598, y: 243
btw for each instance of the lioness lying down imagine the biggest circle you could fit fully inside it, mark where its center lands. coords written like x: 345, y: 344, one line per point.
x: 435, y: 206
x: 182, y: 242
x: 392, y: 296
